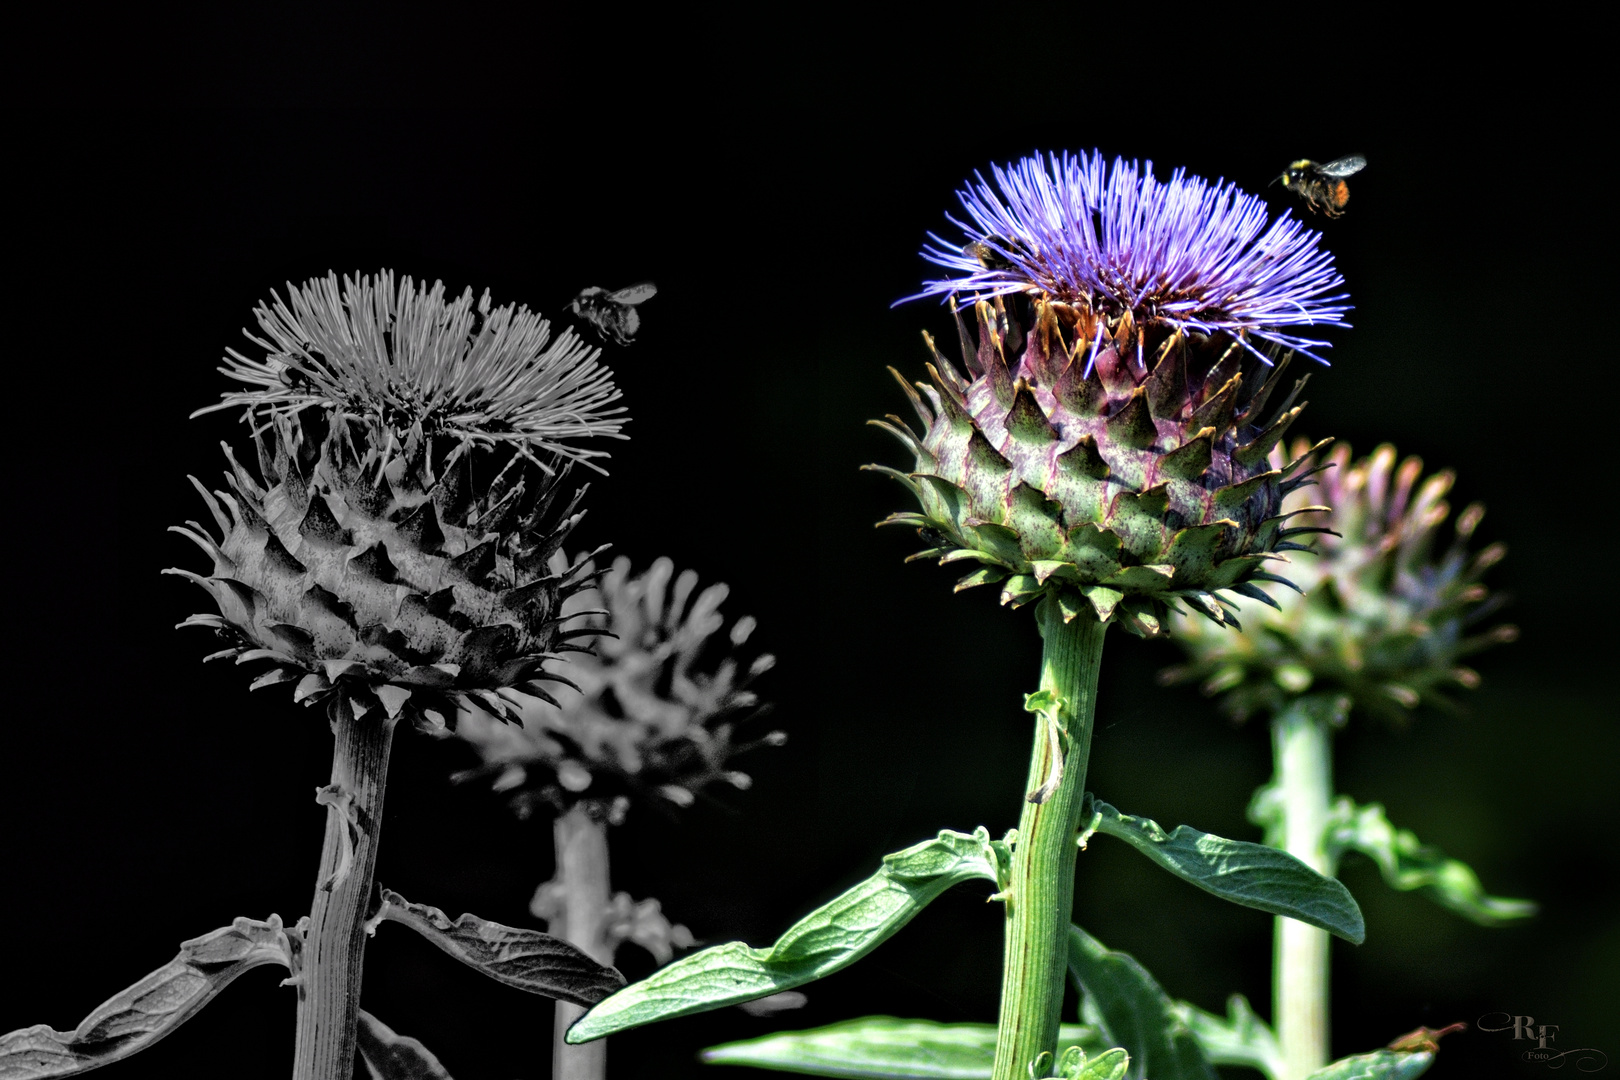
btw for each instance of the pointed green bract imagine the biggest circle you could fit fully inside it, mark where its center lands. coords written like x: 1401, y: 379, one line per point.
x: 885, y: 1048
x: 1407, y: 863
x: 829, y: 939
x: 1123, y: 465
x: 1133, y: 1012
x: 1253, y: 875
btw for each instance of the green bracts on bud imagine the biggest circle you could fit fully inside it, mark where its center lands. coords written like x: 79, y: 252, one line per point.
x: 1382, y: 620
x: 1112, y: 465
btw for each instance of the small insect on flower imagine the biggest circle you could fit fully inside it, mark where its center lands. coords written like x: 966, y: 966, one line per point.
x: 1322, y: 186
x: 613, y: 315
x: 989, y: 252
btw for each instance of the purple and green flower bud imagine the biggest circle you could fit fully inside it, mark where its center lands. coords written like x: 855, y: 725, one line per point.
x: 1384, y: 620
x: 1108, y: 439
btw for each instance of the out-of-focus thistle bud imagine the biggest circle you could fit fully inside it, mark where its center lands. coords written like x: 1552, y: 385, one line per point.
x: 651, y: 712
x: 1382, y: 620
x: 394, y: 548
x: 1108, y: 441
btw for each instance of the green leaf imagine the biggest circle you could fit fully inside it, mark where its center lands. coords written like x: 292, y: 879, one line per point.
x: 1253, y: 875
x: 882, y: 1046
x: 1407, y: 863
x: 395, y: 1057
x: 1378, y: 1065
x: 141, y: 1015
x: 1109, y: 1065
x: 526, y: 959
x: 1131, y: 1011
x: 1073, y: 1065
x: 828, y: 939
x: 1240, y: 1038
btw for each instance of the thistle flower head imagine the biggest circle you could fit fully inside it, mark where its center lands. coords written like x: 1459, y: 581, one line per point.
x: 1188, y: 255
x: 393, y: 548
x: 403, y: 359
x: 1383, y: 619
x: 650, y: 713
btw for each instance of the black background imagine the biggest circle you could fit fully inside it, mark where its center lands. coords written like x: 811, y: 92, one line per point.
x: 776, y: 184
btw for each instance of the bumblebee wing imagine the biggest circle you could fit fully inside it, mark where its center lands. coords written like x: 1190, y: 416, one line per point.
x: 635, y: 294
x: 1345, y: 166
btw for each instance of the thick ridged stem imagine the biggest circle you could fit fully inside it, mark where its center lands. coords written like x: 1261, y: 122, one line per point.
x: 581, y: 919
x: 333, y: 948
x: 1040, y: 894
x: 1303, y: 748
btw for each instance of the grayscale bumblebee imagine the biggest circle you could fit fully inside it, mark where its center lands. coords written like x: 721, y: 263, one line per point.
x: 1322, y: 186
x: 613, y: 315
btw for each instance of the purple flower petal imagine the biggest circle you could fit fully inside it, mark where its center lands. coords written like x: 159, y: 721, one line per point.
x: 1187, y: 254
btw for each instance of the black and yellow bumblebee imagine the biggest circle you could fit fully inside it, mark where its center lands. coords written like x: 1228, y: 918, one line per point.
x: 1322, y: 186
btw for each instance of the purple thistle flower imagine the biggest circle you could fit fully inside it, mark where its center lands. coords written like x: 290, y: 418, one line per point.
x: 1187, y: 254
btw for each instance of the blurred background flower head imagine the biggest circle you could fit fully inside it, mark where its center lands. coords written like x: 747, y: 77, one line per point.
x: 1382, y: 617
x: 653, y: 709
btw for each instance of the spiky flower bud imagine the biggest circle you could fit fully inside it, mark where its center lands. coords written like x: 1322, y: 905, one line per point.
x: 1382, y: 620
x: 1108, y: 441
x: 650, y: 712
x: 394, y: 546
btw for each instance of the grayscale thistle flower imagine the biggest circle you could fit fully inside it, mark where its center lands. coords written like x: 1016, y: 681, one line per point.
x: 1383, y: 621
x: 649, y: 713
x: 394, y: 547
x: 1107, y: 441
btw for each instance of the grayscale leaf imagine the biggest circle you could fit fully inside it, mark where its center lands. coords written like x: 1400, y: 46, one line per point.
x: 885, y: 1047
x: 828, y: 939
x: 526, y: 959
x: 1250, y: 874
x: 1130, y: 1010
x: 1408, y: 863
x: 395, y: 1057
x: 137, y: 1017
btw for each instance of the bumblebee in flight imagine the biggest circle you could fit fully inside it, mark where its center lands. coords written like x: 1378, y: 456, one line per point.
x: 613, y: 315
x: 1322, y: 186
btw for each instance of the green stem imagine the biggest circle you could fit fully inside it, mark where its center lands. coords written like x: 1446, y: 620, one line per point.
x: 1302, y: 746
x: 333, y: 946
x: 1040, y: 895
x: 579, y: 907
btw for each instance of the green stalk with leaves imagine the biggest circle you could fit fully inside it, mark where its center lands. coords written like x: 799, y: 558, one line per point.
x: 1379, y: 625
x: 1102, y: 455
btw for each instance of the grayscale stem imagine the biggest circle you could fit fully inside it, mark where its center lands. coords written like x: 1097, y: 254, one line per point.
x: 582, y: 910
x: 333, y: 948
